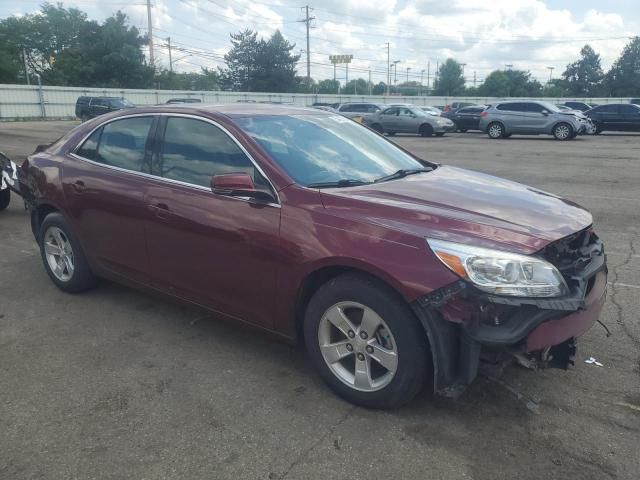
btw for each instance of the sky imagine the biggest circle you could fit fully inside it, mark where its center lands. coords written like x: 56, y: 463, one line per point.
x: 483, y: 34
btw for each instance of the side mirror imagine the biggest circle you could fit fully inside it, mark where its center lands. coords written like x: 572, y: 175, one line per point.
x: 237, y: 185
x: 545, y: 113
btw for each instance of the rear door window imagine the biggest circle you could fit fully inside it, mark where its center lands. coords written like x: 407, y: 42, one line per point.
x: 628, y: 109
x: 513, y: 107
x: 391, y: 111
x: 123, y: 143
x: 193, y: 151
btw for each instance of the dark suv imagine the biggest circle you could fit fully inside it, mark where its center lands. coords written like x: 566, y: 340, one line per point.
x: 392, y: 270
x: 91, y: 107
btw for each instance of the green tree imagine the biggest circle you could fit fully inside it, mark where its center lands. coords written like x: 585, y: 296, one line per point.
x: 449, y: 80
x: 357, y: 86
x: 497, y: 84
x: 262, y: 66
x: 206, y: 79
x: 623, y: 80
x: 510, y: 83
x: 379, y: 89
x: 584, y: 76
x: 328, y: 86
x: 10, y: 67
x: 557, y: 87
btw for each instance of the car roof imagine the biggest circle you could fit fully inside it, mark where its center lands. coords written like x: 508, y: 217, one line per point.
x: 235, y: 110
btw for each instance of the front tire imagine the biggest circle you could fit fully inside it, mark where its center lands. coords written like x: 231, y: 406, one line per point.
x: 563, y: 131
x: 496, y: 130
x: 62, y: 256
x: 365, y: 342
x: 426, y: 130
x: 5, y: 198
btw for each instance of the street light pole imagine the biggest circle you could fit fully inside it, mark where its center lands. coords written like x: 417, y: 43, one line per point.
x: 550, y: 73
x: 408, y: 68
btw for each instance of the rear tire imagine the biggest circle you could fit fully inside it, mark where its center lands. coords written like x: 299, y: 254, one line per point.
x: 426, y: 130
x: 5, y: 198
x: 462, y: 130
x: 496, y: 130
x: 62, y: 256
x: 440, y: 134
x: 563, y: 131
x: 380, y: 362
x: 378, y: 128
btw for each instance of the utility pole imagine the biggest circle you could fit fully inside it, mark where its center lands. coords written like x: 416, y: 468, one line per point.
x: 388, y: 69
x: 369, y: 81
x: 150, y: 30
x: 408, y: 68
x: 307, y: 21
x: 428, y: 75
x: 395, y: 71
x: 474, y: 79
x: 550, y: 73
x: 26, y: 70
x: 170, y: 59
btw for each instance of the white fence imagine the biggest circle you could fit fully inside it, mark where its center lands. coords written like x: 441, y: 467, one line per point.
x: 22, y: 102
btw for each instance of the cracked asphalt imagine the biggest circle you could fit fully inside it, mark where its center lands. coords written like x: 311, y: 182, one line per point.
x: 116, y: 384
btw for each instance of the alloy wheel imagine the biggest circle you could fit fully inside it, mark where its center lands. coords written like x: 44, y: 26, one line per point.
x: 59, y: 253
x: 495, y: 131
x: 358, y: 346
x: 563, y: 132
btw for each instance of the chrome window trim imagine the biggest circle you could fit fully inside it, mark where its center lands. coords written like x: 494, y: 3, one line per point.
x: 73, y: 153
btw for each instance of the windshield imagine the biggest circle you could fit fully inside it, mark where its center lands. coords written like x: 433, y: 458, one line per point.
x: 326, y: 148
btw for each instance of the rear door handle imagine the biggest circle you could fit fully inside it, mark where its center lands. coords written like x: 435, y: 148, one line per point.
x: 78, y: 186
x: 161, y: 210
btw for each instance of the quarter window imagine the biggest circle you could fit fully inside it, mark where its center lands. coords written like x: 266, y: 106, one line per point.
x: 194, y: 151
x: 89, y: 148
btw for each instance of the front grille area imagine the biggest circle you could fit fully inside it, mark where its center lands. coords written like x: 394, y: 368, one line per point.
x: 572, y: 255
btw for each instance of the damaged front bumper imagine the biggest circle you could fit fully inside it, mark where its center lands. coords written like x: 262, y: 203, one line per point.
x: 464, y: 324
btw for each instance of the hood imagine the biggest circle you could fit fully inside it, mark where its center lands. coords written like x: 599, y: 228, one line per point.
x: 462, y: 206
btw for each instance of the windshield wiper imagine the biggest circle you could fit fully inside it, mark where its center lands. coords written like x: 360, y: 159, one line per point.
x: 403, y: 173
x: 346, y: 182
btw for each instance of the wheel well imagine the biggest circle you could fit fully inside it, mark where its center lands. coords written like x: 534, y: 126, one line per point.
x: 315, y: 280
x: 38, y: 215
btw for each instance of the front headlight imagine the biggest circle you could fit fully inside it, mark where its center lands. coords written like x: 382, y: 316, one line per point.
x: 501, y: 273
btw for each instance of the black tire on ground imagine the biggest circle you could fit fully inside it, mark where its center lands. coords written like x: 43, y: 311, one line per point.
x: 598, y: 130
x: 495, y: 130
x: 506, y: 135
x: 462, y: 130
x: 391, y: 134
x: 84, y: 117
x: 5, y: 198
x: 413, y: 357
x: 426, y: 130
x: 377, y: 127
x: 82, y: 279
x: 440, y: 134
x: 563, y: 131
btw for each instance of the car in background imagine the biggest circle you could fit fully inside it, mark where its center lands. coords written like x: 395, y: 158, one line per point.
x: 402, y: 119
x: 183, y: 100
x: 413, y: 271
x: 456, y: 105
x: 466, y: 118
x: 581, y: 106
x: 91, y: 107
x: 635, y: 101
x: 358, y: 111
x: 432, y: 110
x: 503, y: 119
x: 619, y: 117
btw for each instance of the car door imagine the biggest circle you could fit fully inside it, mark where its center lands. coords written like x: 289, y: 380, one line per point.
x: 468, y: 118
x: 607, y: 116
x: 407, y: 121
x: 104, y: 182
x: 218, y: 251
x: 511, y: 114
x: 538, y: 118
x: 629, y: 117
x: 99, y: 106
x: 389, y: 119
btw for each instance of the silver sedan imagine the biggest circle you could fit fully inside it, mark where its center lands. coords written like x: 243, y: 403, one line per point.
x: 409, y: 119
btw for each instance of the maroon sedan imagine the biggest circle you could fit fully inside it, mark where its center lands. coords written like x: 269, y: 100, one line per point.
x: 391, y: 269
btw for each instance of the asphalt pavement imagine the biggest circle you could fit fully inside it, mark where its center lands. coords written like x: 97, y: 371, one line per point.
x: 115, y: 384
